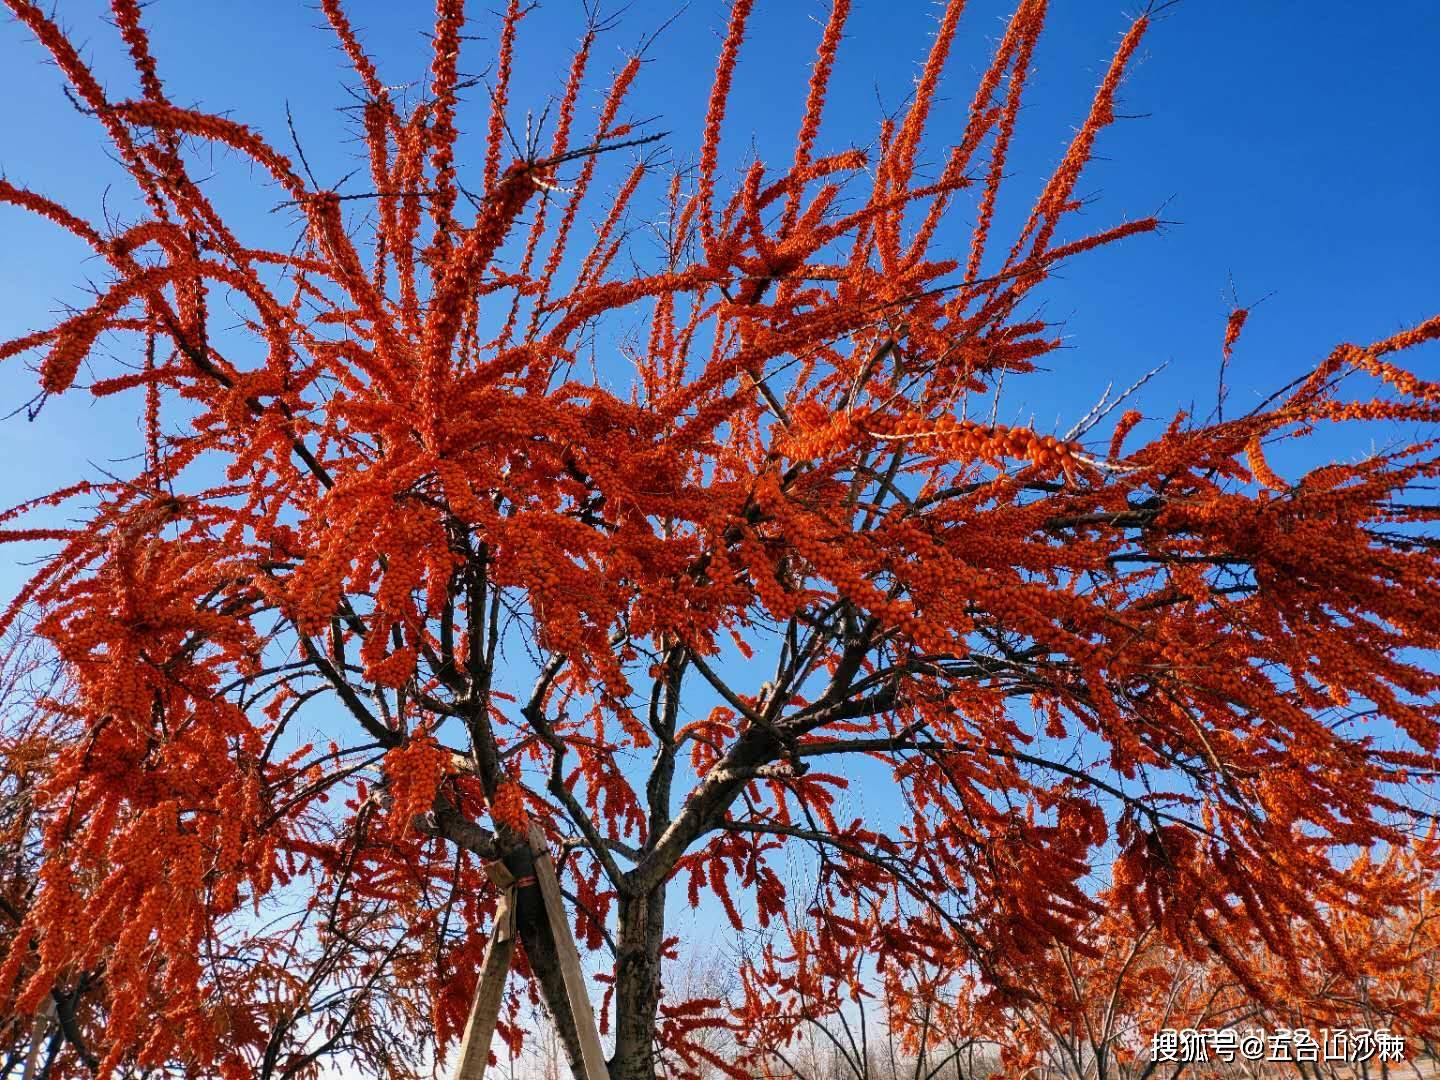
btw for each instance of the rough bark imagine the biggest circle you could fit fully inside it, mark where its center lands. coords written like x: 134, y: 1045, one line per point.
x: 637, y: 985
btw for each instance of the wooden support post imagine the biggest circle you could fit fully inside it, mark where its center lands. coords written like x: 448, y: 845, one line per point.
x: 593, y: 1056
x: 485, y: 1010
x: 37, y: 1038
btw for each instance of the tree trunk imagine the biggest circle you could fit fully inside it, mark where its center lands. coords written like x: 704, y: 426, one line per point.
x: 637, y: 985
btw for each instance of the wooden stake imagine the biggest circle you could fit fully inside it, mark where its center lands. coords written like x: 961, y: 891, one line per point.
x: 37, y: 1037
x: 593, y: 1057
x: 485, y: 1010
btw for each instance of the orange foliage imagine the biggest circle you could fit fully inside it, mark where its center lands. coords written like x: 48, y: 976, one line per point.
x: 435, y: 458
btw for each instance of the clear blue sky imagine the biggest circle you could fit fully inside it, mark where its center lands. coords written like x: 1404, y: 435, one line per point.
x: 1292, y: 142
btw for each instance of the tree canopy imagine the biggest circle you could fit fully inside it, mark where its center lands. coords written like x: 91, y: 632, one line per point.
x: 738, y: 506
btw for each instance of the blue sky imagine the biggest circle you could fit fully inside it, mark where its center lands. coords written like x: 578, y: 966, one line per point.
x: 1289, y: 142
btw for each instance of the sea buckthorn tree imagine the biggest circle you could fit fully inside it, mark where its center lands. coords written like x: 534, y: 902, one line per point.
x: 415, y: 449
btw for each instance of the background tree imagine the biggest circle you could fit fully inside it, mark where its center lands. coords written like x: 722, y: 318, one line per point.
x: 772, y: 537
x: 1129, y: 982
x: 25, y: 678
